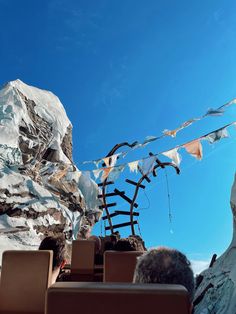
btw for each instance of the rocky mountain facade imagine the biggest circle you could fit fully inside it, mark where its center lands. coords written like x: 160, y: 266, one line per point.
x: 216, y: 291
x: 41, y: 190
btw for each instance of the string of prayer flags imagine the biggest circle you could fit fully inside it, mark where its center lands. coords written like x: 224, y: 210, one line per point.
x: 231, y: 102
x: 133, y: 166
x: 149, y: 139
x: 219, y: 111
x: 188, y: 123
x: 147, y: 164
x: 217, y: 135
x: 194, y: 148
x: 174, y: 156
x: 111, y: 160
x: 184, y: 125
x: 210, y: 112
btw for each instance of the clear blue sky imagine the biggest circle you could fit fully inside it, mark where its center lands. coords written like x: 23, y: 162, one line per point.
x: 130, y: 68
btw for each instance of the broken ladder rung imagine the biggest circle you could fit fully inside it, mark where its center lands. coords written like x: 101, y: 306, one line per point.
x: 120, y: 212
x: 126, y: 198
x: 135, y: 183
x: 111, y: 215
x: 105, y: 183
x: 123, y: 212
x: 111, y: 194
x: 125, y: 224
x: 144, y: 175
x: 107, y: 205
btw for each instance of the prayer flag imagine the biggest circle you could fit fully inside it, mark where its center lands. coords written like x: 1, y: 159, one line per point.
x: 114, y: 159
x: 217, y: 135
x: 115, y: 172
x: 133, y: 166
x: 97, y: 162
x: 97, y: 173
x: 148, y: 164
x: 214, y: 112
x: 231, y: 102
x: 187, y: 123
x: 171, y: 133
x: 174, y: 156
x: 111, y: 160
x: 105, y: 173
x: 107, y: 161
x: 149, y: 139
x: 194, y: 148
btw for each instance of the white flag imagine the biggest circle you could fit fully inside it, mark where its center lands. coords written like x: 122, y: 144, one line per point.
x: 174, y: 156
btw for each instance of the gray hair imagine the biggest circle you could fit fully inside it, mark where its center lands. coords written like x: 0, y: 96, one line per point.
x: 164, y: 265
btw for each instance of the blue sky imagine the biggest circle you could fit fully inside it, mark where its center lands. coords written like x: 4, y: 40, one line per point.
x: 128, y: 69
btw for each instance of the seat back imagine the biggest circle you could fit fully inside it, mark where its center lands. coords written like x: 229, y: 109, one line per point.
x: 100, y: 298
x: 25, y: 277
x: 119, y: 266
x: 82, y: 260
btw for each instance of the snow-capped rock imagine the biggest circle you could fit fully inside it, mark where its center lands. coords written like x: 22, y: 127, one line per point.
x: 40, y: 187
x: 216, y: 292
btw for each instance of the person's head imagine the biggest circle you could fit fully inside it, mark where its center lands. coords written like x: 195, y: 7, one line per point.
x: 140, y: 245
x: 167, y: 266
x: 57, y: 245
x: 126, y: 244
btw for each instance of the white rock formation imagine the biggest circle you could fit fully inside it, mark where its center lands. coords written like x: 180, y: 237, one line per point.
x: 217, y: 290
x: 40, y: 187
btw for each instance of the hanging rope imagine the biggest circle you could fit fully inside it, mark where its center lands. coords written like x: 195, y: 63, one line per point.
x: 168, y: 196
x: 148, y: 206
x: 101, y: 229
x: 104, y: 227
x: 139, y: 230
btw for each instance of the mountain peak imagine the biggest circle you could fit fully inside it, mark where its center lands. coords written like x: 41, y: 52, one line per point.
x: 41, y: 189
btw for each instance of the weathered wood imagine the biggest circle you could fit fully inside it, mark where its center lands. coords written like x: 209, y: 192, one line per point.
x: 213, y: 259
x: 123, y: 212
x: 110, y: 194
x: 126, y: 198
x: 135, y: 183
x: 111, y: 215
x: 105, y: 183
x: 125, y: 224
x: 107, y: 205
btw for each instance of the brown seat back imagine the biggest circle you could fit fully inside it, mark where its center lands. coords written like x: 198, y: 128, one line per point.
x: 25, y: 277
x: 119, y: 266
x: 82, y: 260
x: 102, y: 298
